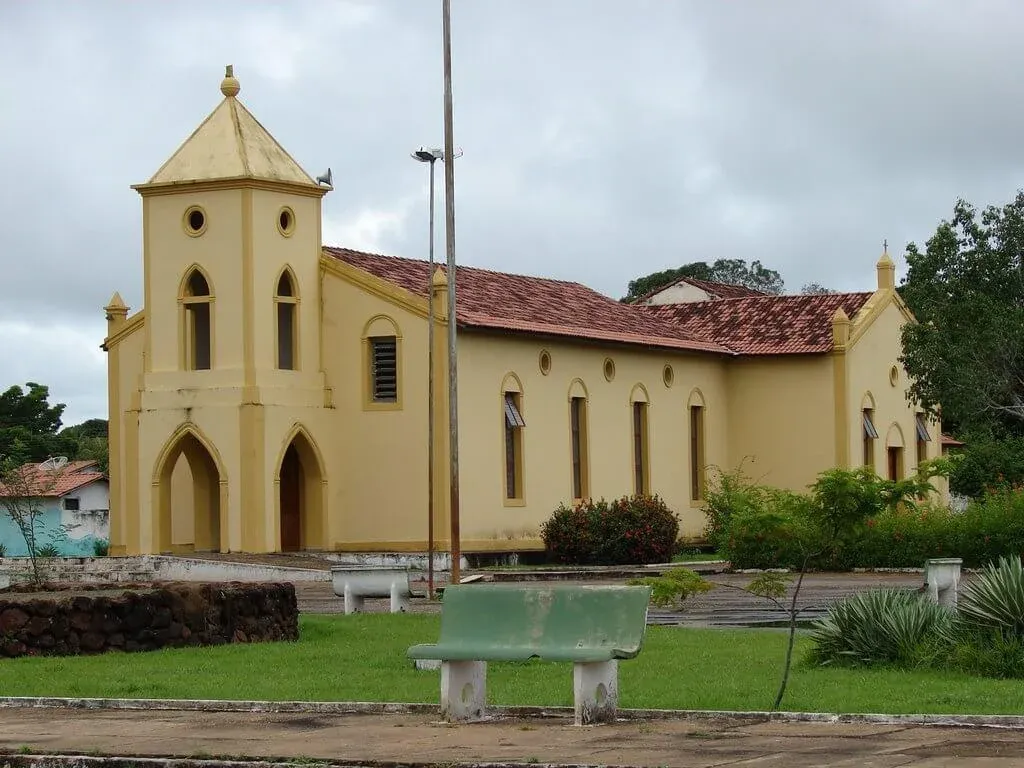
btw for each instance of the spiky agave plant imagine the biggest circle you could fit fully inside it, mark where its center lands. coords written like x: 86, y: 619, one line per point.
x: 994, y: 598
x: 880, y: 626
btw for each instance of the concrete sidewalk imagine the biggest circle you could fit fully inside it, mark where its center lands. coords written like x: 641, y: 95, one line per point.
x: 422, y: 740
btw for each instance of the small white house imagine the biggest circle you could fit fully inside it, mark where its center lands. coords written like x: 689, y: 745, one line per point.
x: 74, y: 498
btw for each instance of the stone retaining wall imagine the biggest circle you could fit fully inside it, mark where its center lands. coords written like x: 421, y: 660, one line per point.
x: 64, y: 620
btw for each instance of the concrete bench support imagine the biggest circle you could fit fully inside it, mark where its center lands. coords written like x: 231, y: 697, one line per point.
x: 356, y: 583
x: 942, y: 580
x: 463, y: 690
x: 596, y: 691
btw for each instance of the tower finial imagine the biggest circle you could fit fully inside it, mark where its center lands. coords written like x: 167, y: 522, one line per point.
x: 886, y: 269
x: 230, y: 86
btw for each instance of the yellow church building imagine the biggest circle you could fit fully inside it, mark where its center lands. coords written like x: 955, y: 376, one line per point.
x: 272, y: 393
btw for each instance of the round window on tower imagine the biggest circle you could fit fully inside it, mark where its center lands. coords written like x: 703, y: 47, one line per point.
x: 194, y: 221
x: 286, y: 221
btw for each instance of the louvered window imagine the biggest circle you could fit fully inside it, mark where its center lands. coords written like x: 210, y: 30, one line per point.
x: 384, y: 369
x: 923, y: 438
x: 870, y: 435
x: 514, y: 424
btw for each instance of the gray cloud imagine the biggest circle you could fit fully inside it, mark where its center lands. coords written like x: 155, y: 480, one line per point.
x: 602, y: 139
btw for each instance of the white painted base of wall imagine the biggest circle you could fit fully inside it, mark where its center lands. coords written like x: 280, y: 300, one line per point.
x: 143, y: 568
x: 416, y: 560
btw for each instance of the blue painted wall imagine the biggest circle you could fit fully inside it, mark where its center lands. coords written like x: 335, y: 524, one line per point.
x: 48, y: 531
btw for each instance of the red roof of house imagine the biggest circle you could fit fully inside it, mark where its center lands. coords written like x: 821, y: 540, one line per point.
x: 947, y: 440
x: 714, y: 289
x: 764, y: 325
x: 536, y: 305
x: 48, y: 483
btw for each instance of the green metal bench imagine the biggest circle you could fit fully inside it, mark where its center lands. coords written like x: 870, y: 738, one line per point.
x: 591, y: 626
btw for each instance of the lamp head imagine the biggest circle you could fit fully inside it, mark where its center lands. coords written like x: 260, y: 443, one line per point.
x: 428, y: 155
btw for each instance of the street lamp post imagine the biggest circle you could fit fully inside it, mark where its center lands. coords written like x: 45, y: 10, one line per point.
x: 449, y: 202
x: 430, y: 156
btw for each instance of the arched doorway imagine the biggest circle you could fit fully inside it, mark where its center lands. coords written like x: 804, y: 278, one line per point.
x: 189, y: 498
x: 300, y: 496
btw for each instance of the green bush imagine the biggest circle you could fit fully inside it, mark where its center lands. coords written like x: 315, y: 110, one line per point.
x: 994, y: 599
x: 768, y: 528
x: 769, y: 534
x: 880, y: 626
x: 101, y: 547
x: 984, y: 636
x: 633, y: 529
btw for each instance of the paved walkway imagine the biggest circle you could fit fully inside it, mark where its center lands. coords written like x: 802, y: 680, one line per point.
x: 412, y: 739
x: 723, y: 606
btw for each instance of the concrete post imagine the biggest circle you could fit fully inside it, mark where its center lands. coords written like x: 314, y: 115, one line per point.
x: 595, y: 691
x: 942, y: 580
x: 463, y: 690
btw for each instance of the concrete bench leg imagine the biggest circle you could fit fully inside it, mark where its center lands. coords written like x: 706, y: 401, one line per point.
x: 399, y: 600
x: 353, y: 602
x: 596, y: 691
x: 463, y: 690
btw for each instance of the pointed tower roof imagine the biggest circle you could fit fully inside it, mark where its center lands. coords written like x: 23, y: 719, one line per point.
x: 230, y: 144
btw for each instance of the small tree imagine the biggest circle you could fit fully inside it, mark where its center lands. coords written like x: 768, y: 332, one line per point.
x: 23, y: 488
x: 840, y: 502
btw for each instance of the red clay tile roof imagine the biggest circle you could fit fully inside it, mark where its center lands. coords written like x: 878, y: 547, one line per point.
x: 753, y: 325
x: 722, y: 290
x: 714, y: 289
x: 764, y: 325
x: 949, y: 441
x: 536, y: 305
x: 71, y: 477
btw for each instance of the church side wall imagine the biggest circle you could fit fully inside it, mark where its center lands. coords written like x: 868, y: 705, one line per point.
x: 488, y: 362
x: 782, y: 419
x: 377, y: 455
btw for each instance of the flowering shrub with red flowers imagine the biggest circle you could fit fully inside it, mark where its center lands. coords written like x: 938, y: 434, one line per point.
x: 633, y: 529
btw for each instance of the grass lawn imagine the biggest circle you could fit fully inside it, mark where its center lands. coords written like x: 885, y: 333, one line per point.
x: 362, y: 658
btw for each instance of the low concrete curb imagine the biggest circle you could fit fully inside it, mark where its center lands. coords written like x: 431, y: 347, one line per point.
x: 113, y: 761
x: 95, y: 761
x: 499, y: 712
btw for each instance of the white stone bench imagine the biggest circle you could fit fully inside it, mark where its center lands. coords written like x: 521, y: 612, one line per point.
x: 942, y: 580
x: 357, y: 582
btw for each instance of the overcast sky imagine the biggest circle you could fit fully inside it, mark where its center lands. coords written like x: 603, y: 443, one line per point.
x: 603, y: 139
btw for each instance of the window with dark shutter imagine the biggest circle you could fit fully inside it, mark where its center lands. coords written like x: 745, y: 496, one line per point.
x: 514, y: 424
x: 384, y: 369
x: 640, y: 448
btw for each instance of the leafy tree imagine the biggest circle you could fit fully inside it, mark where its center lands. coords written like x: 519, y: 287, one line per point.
x: 815, y: 288
x: 736, y: 271
x: 88, y: 440
x: 967, y: 291
x: 87, y: 429
x: 30, y: 429
x: 28, y: 423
